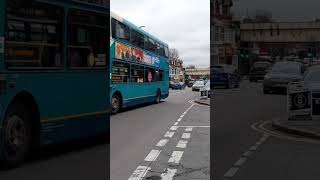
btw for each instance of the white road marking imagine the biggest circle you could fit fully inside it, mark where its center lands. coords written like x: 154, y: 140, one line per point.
x: 240, y: 161
x: 162, y: 142
x: 189, y: 129
x: 175, y: 157
x: 182, y: 144
x: 194, y: 126
x: 176, y: 123
x: 253, y: 148
x: 169, y: 134
x: 139, y: 173
x: 173, y: 128
x: 231, y: 172
x: 179, y: 119
x: 247, y: 154
x: 152, y: 156
x: 181, y: 116
x: 185, y: 136
x: 169, y: 174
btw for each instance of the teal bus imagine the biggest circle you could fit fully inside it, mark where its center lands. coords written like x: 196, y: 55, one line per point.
x: 139, y: 66
x: 54, y: 72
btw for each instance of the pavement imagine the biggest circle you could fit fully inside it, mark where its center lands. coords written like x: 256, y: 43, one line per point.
x: 168, y: 140
x: 203, y: 101
x: 246, y: 146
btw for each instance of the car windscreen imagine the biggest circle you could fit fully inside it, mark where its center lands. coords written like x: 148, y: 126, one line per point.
x: 286, y: 68
x: 199, y: 83
x: 312, y: 75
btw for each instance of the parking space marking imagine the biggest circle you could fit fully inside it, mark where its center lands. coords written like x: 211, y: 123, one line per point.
x: 139, y: 173
x: 182, y: 144
x: 175, y: 157
x: 188, y: 129
x: 169, y: 174
x: 173, y: 128
x: 153, y: 155
x: 162, y: 142
x: 185, y: 136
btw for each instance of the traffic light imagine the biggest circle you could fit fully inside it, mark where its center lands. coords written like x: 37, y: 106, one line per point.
x: 244, y: 54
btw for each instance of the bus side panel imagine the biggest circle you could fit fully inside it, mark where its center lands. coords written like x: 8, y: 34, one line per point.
x: 68, y: 102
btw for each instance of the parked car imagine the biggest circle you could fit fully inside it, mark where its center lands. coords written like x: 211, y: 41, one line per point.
x: 259, y: 70
x: 178, y: 85
x: 280, y: 75
x: 171, y: 84
x: 225, y: 75
x: 205, y: 91
x: 197, y: 85
x: 312, y: 79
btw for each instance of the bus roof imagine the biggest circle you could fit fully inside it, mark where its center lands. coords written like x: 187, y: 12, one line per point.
x: 136, y: 28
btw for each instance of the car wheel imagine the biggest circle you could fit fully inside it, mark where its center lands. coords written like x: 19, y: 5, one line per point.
x: 115, y: 103
x: 16, y: 136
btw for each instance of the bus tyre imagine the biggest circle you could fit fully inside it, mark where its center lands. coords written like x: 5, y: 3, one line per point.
x: 158, y: 97
x: 115, y: 103
x: 16, y: 136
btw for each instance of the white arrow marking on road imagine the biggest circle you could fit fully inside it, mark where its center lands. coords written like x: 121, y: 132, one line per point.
x: 175, y: 157
x: 153, y: 155
x: 182, y: 144
x: 162, y: 142
x: 169, y: 174
x: 139, y: 173
x: 185, y: 136
x: 169, y: 134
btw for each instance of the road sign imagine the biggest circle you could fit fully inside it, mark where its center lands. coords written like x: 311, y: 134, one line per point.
x: 299, y: 100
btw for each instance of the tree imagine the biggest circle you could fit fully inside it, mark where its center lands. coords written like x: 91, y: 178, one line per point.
x: 173, y: 54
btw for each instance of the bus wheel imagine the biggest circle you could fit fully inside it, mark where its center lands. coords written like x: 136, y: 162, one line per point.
x: 17, y: 136
x: 158, y: 97
x: 115, y: 103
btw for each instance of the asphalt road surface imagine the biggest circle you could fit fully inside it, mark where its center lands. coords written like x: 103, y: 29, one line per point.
x: 244, y: 147
x: 168, y: 140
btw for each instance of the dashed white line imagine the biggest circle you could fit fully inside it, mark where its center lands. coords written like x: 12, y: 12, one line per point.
x: 162, y: 142
x: 231, y: 172
x: 169, y: 174
x: 176, y: 123
x: 175, y: 157
x: 179, y: 119
x: 188, y: 129
x: 247, y: 154
x: 169, y: 134
x: 139, y: 173
x: 173, y: 128
x: 185, y: 136
x: 152, y: 156
x: 182, y: 144
x: 241, y: 161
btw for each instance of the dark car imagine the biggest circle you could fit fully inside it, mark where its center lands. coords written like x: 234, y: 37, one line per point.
x: 224, y: 75
x: 281, y: 74
x: 177, y: 85
x: 259, y: 70
x: 312, y: 79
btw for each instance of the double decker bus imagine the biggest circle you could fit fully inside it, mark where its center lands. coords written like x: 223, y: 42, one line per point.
x: 54, y: 74
x: 139, y: 65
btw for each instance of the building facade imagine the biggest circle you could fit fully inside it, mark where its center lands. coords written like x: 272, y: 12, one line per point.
x: 198, y: 73
x: 176, y: 70
x: 223, y: 33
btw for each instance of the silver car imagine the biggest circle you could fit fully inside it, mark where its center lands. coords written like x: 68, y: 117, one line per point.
x: 197, y: 85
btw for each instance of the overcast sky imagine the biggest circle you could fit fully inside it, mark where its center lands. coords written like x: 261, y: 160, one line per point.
x: 183, y: 24
x: 282, y: 10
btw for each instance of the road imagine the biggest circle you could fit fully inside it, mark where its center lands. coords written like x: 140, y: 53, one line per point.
x: 170, y: 139
x: 244, y: 147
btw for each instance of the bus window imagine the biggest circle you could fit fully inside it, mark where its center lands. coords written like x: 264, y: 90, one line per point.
x: 137, y: 74
x: 160, y: 76
x: 120, y: 72
x: 87, y: 40
x: 150, y: 44
x: 137, y: 39
x: 150, y: 75
x: 166, y: 52
x: 120, y: 31
x: 34, y: 36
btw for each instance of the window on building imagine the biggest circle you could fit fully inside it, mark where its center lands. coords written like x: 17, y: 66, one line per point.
x: 217, y: 34
x: 137, y: 74
x: 87, y: 39
x: 150, y: 75
x: 222, y: 34
x: 30, y: 41
x: 137, y: 39
x: 120, y: 31
x: 120, y: 72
